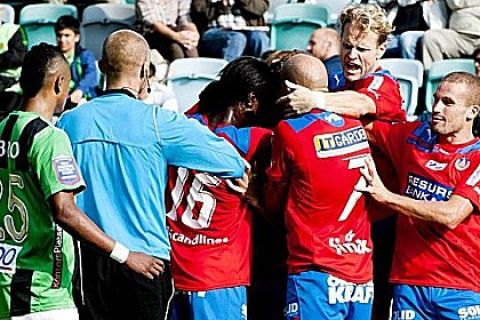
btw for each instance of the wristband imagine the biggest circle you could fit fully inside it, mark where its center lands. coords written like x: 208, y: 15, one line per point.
x: 119, y: 252
x: 319, y: 100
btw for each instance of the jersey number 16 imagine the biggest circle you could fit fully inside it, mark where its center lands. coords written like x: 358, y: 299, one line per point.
x: 196, y: 194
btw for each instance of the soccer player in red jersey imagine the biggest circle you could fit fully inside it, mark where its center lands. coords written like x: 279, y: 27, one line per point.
x: 315, y: 165
x: 370, y: 93
x: 209, y: 222
x: 437, y: 253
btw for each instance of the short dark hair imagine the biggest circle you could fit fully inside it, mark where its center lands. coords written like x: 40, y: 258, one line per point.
x: 37, y: 63
x: 471, y: 83
x: 67, y: 22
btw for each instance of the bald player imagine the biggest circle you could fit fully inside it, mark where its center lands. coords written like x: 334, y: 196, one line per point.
x: 315, y: 166
x: 325, y: 45
x: 123, y: 147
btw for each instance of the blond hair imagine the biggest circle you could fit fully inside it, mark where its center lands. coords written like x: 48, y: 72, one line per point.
x: 367, y: 17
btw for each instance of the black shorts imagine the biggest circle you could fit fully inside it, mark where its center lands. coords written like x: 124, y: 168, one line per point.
x: 112, y: 291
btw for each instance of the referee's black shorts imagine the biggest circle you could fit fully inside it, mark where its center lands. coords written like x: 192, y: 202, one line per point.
x: 112, y: 291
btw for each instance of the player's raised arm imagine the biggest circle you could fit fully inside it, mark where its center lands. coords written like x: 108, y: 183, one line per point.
x: 369, y: 90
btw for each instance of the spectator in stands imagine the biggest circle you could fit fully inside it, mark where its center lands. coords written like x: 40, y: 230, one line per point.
x: 476, y: 59
x: 12, y: 52
x: 411, y: 18
x: 434, y: 16
x: 167, y: 27
x: 230, y: 23
x: 462, y: 37
x: 82, y: 62
x: 325, y: 44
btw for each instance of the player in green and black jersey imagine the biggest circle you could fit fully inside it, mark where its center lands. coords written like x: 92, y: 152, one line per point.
x: 38, y: 179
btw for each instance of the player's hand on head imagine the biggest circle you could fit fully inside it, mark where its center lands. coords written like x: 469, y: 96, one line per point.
x: 299, y: 99
x: 150, y: 267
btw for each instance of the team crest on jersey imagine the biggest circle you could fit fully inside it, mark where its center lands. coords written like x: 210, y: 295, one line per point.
x: 435, y: 166
x: 462, y: 164
x: 332, y: 119
x: 66, y: 170
x: 340, y: 143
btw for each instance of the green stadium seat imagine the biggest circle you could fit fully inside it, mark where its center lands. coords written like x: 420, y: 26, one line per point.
x: 38, y: 21
x: 188, y: 77
x: 293, y: 24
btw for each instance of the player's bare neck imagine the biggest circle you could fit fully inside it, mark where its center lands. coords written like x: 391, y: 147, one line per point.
x: 39, y: 106
x: 458, y: 138
x: 221, y: 119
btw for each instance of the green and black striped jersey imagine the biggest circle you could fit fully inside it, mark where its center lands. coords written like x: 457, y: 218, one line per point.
x: 36, y: 255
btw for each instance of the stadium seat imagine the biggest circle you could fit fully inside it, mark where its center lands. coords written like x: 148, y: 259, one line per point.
x: 335, y: 8
x: 440, y: 69
x: 7, y: 13
x: 407, y: 67
x: 410, y: 75
x: 409, y: 89
x: 99, y: 20
x: 187, y: 77
x: 38, y: 21
x: 293, y: 24
x: 268, y: 15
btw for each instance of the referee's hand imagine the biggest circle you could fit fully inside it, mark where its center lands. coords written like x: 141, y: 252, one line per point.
x: 148, y: 266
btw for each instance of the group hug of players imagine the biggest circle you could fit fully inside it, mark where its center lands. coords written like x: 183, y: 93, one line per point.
x: 322, y: 183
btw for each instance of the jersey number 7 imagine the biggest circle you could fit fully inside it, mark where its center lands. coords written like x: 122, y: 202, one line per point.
x: 354, y: 163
